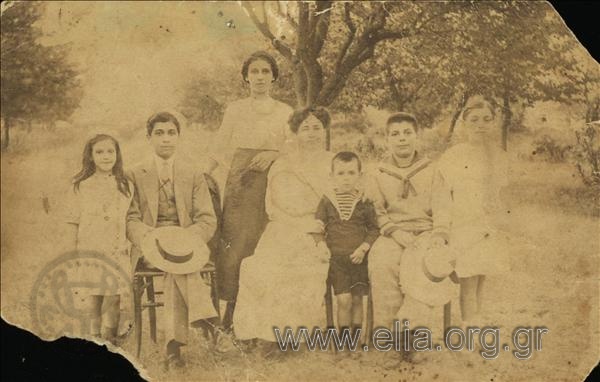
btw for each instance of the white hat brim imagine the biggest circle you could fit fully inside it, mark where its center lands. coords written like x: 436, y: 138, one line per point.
x: 415, y: 283
x: 150, y: 251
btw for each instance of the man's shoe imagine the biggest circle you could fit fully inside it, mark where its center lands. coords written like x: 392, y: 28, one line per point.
x: 174, y: 362
x: 224, y: 340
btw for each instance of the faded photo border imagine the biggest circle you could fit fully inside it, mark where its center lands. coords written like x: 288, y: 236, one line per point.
x: 66, y: 357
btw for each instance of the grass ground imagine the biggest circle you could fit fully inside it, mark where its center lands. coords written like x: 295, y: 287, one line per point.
x: 553, y: 281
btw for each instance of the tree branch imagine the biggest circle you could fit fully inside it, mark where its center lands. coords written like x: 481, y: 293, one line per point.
x: 321, y: 26
x: 286, y: 16
x: 392, y: 35
x: 361, y: 51
x: 348, y: 18
x: 264, y: 15
x: 416, y: 28
x: 263, y: 27
x: 349, y: 39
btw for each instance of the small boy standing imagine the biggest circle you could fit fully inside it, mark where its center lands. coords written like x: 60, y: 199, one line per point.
x: 349, y: 230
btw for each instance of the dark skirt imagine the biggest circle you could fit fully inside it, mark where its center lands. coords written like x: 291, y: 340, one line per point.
x: 244, y: 219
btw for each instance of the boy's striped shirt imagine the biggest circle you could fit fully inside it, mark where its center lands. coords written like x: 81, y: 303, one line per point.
x: 346, y: 202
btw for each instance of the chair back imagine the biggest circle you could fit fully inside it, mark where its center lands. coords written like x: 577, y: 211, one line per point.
x: 215, y: 196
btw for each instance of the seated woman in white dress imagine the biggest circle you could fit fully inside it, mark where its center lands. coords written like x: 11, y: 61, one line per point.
x: 283, y: 284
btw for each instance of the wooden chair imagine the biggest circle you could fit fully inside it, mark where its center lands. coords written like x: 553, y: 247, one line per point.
x: 143, y: 283
x: 144, y: 275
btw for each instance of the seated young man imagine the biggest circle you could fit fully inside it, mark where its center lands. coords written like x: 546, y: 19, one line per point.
x: 170, y: 192
x: 411, y: 201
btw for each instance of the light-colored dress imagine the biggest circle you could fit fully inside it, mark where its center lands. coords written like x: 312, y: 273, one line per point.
x: 283, y: 284
x: 99, y: 210
x: 475, y: 175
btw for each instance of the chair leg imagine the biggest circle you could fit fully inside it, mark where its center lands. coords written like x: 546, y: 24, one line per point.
x: 137, y: 311
x: 152, y: 309
x: 214, y: 294
x: 329, y: 305
x: 329, y: 310
x: 447, y: 316
x: 215, y: 297
x: 369, y: 328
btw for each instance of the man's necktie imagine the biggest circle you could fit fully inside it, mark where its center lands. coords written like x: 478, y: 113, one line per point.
x: 164, y: 175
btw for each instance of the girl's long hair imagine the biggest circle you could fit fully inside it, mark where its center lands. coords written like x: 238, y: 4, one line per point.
x: 89, y: 167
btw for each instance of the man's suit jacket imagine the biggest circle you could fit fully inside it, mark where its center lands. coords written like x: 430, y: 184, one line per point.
x: 194, y: 205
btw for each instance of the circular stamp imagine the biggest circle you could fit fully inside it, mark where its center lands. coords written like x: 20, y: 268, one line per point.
x: 61, y: 296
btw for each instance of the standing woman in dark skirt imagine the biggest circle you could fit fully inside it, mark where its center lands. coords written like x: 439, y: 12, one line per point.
x: 252, y: 135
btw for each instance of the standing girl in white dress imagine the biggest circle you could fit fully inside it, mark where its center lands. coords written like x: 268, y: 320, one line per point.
x: 96, y: 217
x: 476, y: 171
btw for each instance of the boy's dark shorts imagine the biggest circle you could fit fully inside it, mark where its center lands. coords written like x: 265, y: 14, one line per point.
x: 347, y: 277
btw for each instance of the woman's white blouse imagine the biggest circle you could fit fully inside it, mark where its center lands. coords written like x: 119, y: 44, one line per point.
x: 251, y: 124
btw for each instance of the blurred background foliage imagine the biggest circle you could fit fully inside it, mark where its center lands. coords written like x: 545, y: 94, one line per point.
x: 360, y: 59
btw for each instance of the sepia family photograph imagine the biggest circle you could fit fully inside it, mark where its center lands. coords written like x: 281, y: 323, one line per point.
x: 304, y: 190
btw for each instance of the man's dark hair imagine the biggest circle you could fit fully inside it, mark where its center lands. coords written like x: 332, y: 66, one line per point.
x: 163, y: 116
x: 260, y: 55
x: 399, y: 118
x: 346, y: 156
x: 300, y: 116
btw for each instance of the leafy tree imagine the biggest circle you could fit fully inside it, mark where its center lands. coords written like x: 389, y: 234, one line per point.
x: 329, y: 40
x: 38, y: 83
x: 204, y: 97
x: 420, y: 56
x: 577, y: 76
x: 416, y: 75
x: 507, y: 54
x: 504, y: 51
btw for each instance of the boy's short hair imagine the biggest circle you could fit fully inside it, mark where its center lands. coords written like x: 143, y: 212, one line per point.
x: 399, y: 118
x: 162, y: 116
x: 346, y: 156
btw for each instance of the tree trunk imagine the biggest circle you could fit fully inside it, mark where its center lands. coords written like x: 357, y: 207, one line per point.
x: 459, y: 108
x: 300, y: 85
x: 507, y: 116
x: 303, y: 95
x: 314, y: 83
x: 5, y: 139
